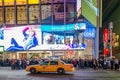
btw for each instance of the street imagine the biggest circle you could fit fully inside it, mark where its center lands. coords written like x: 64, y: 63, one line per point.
x: 87, y: 74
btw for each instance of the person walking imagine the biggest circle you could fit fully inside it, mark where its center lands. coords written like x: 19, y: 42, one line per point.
x: 116, y: 64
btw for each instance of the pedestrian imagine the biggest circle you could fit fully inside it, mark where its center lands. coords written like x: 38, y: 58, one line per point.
x: 116, y: 64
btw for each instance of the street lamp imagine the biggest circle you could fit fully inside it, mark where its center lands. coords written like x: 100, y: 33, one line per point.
x: 110, y: 28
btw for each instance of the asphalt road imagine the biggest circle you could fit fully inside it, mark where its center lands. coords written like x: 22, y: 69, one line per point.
x: 87, y: 74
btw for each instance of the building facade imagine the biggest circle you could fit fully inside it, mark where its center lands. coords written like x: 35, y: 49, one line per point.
x: 58, y: 29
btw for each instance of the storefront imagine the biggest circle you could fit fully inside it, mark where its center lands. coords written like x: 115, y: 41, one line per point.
x: 67, y: 41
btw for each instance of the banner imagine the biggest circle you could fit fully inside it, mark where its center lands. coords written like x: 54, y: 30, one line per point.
x: 106, y: 35
x: 90, y: 10
x: 8, y: 2
x: 89, y: 33
x: 21, y: 2
x: 33, y: 2
x: 67, y: 27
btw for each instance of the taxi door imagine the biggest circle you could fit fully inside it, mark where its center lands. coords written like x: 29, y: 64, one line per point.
x: 53, y: 66
x: 44, y: 66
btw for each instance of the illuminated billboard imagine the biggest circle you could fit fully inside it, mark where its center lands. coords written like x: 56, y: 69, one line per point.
x: 90, y: 10
x: 35, y: 37
x: 20, y: 2
x: 8, y: 2
x: 22, y: 38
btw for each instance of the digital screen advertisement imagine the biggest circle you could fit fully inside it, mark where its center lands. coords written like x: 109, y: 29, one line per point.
x: 22, y: 38
x: 34, y: 37
x: 91, y: 7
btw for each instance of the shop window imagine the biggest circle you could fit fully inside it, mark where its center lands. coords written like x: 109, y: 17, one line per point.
x: 9, y: 15
x: 1, y: 17
x: 34, y: 55
x: 34, y: 14
x: 46, y: 14
x: 21, y: 15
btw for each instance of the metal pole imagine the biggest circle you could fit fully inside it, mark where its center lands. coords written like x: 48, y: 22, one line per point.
x: 111, y: 27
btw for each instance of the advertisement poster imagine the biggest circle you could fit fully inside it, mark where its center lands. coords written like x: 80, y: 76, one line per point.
x: 90, y: 6
x: 8, y: 2
x: 21, y: 2
x: 22, y: 38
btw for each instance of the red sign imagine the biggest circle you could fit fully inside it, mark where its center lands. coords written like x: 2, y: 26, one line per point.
x: 106, y: 51
x: 106, y: 35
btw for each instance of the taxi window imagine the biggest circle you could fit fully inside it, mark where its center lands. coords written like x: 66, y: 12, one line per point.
x: 53, y: 62
x: 63, y: 62
x: 44, y: 63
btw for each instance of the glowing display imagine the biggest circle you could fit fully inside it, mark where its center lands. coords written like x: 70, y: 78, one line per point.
x: 31, y: 37
x: 19, y: 2
x: 8, y: 2
x: 33, y: 2
x: 22, y: 38
x: 90, y: 6
x: 67, y: 27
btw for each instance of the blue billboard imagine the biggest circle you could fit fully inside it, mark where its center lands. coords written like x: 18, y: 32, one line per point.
x: 66, y: 27
x: 89, y: 32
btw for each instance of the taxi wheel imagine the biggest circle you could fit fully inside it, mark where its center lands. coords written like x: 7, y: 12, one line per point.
x: 61, y: 71
x: 33, y: 70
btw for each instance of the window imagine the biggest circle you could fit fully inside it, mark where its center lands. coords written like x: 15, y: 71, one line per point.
x: 53, y: 62
x: 63, y: 62
x: 34, y: 14
x: 46, y: 11
x: 9, y: 15
x: 46, y: 1
x: 58, y: 13
x: 70, y: 13
x: 21, y: 15
x: 44, y: 63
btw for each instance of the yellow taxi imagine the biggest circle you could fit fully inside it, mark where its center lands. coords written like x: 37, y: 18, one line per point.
x: 51, y: 66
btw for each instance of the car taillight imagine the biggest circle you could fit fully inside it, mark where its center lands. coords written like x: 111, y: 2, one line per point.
x: 71, y: 66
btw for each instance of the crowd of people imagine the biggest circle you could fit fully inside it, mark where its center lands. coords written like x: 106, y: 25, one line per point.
x: 113, y: 64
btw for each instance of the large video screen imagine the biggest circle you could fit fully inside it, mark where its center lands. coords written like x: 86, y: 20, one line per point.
x: 90, y: 6
x: 22, y: 38
x: 34, y: 37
